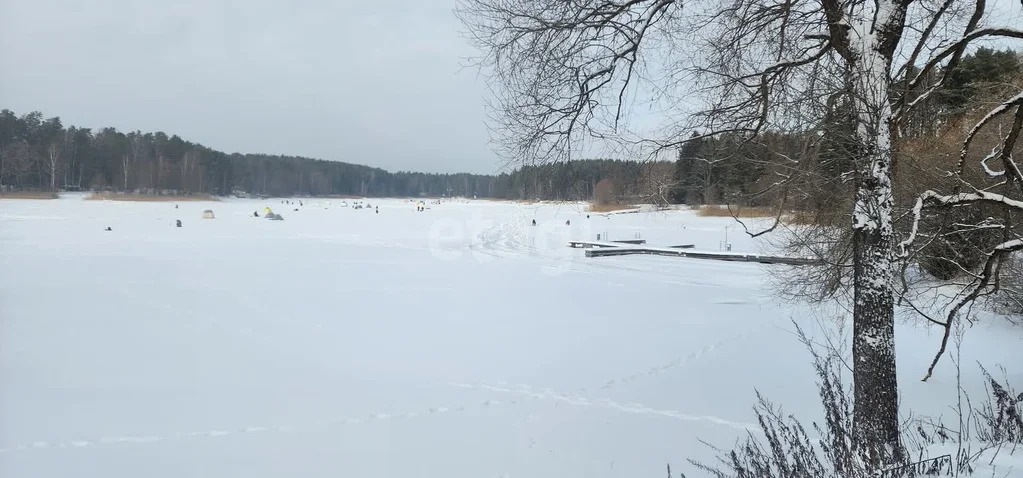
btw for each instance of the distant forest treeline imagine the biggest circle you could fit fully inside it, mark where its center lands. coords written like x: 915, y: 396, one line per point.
x: 42, y: 154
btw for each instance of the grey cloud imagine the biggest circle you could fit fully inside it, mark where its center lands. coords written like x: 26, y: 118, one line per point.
x: 376, y: 82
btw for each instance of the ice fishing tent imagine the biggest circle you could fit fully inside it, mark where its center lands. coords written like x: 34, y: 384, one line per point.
x: 207, y: 214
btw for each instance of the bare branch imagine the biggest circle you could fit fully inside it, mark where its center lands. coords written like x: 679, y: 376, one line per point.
x: 988, y: 276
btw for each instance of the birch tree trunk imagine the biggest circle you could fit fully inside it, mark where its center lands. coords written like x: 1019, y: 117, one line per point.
x: 876, y: 401
x: 124, y: 166
x: 876, y: 404
x: 54, y: 156
x: 184, y: 173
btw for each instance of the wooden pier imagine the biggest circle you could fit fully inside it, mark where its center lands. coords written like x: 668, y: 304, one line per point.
x: 590, y: 244
x: 616, y: 248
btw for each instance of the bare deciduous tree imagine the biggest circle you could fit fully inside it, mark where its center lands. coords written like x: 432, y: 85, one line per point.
x: 657, y: 182
x: 17, y: 161
x: 569, y: 71
x: 53, y: 156
x: 125, y: 166
x: 136, y: 149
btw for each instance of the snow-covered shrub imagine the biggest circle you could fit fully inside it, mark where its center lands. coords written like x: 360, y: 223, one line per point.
x: 983, y: 434
x: 783, y: 448
x: 1000, y: 419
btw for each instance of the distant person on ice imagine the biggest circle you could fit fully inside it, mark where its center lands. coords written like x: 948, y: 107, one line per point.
x: 255, y: 213
x: 568, y: 223
x: 534, y: 222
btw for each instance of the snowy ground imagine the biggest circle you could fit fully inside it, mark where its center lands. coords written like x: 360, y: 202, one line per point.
x: 457, y: 342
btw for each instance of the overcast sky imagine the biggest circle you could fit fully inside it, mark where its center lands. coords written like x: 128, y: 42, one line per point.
x: 373, y: 82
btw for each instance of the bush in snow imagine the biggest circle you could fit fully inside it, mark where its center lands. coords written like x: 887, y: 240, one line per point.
x: 1000, y: 419
x: 783, y: 448
x: 983, y: 433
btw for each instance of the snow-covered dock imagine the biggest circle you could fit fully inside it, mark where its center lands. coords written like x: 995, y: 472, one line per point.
x: 615, y: 248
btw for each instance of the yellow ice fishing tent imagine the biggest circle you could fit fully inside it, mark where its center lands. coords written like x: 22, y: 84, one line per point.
x: 267, y: 210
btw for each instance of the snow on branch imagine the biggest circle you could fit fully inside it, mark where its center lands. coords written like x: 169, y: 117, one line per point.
x: 1007, y: 143
x: 963, y: 198
x: 933, y: 199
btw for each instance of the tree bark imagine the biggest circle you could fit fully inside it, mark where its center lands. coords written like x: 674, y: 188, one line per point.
x: 876, y: 401
x: 54, y: 156
x: 124, y: 165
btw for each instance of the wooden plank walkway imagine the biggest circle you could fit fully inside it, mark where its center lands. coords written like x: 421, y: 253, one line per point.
x: 614, y: 248
x: 589, y: 244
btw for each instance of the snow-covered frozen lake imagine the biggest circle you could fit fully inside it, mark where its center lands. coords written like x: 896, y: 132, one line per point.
x: 458, y: 342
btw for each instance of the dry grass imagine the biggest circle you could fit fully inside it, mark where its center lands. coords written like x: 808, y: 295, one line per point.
x: 609, y: 207
x: 745, y: 212
x: 149, y: 197
x: 29, y: 195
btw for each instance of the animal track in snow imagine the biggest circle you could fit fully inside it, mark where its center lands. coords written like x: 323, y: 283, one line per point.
x: 677, y: 363
x: 634, y: 408
x: 219, y: 433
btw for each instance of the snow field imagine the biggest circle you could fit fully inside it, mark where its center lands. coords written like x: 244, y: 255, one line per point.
x: 460, y: 341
